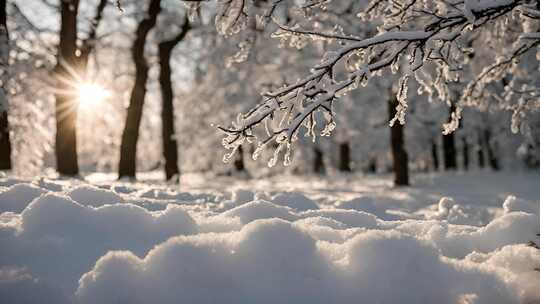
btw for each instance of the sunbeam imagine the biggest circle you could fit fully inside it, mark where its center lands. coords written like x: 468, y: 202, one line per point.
x: 90, y: 95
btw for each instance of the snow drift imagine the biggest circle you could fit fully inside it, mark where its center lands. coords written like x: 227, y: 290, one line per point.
x: 87, y: 244
x: 248, y: 266
x: 57, y: 239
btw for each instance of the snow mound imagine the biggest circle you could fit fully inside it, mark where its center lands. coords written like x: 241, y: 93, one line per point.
x: 520, y: 263
x: 350, y: 218
x: 165, y: 195
x: 384, y: 261
x: 457, y: 241
x: 50, y: 185
x: 449, y: 210
x: 260, y: 209
x: 120, y: 224
x: 18, y: 286
x: 93, y: 196
x: 322, y: 221
x: 242, y: 196
x: 238, y: 198
x: 59, y: 239
x: 370, y: 205
x: 123, y: 188
x: 512, y: 203
x: 249, y: 267
x: 17, y: 197
x: 294, y: 200
x: 68, y: 242
x: 326, y: 229
x: 512, y: 228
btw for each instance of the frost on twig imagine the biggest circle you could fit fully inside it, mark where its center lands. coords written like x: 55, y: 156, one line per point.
x: 425, y: 39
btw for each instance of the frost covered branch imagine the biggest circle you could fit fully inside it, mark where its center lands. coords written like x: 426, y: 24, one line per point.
x: 425, y: 40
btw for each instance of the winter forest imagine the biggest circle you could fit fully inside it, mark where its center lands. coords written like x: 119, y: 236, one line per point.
x: 270, y: 151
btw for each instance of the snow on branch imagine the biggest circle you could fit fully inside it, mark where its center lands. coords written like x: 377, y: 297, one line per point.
x: 418, y: 37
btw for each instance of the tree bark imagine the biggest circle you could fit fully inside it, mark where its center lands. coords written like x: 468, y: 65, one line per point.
x: 5, y: 142
x: 345, y: 157
x: 239, y: 165
x: 372, y: 165
x: 435, y: 155
x: 170, y: 147
x: 130, y: 135
x: 69, y: 64
x: 318, y: 161
x: 66, y: 107
x: 449, y: 152
x: 397, y: 144
x: 492, y: 158
x: 465, y: 152
x: 449, y: 148
x: 480, y: 153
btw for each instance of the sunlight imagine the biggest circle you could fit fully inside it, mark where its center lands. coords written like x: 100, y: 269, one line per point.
x: 91, y: 95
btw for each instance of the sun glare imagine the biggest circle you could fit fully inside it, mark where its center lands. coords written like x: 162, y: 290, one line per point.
x: 91, y: 94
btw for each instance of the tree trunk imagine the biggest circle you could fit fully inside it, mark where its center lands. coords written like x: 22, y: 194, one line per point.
x: 372, y: 165
x: 397, y: 144
x: 492, y: 158
x: 239, y: 165
x: 345, y: 157
x: 480, y: 153
x: 449, y: 152
x: 449, y: 148
x: 318, y: 161
x: 170, y: 147
x: 66, y: 107
x: 5, y: 143
x: 465, y: 152
x: 130, y: 135
x: 435, y: 155
x: 89, y: 43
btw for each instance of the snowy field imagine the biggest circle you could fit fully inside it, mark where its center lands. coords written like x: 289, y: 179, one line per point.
x: 452, y: 238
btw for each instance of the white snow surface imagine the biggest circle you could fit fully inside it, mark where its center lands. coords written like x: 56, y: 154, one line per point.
x: 451, y: 238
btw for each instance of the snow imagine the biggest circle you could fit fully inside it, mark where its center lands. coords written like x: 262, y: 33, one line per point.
x: 58, y: 239
x: 294, y: 200
x: 367, y: 204
x: 16, y: 198
x: 513, y: 203
x: 336, y: 241
x: 260, y: 209
x: 93, y: 196
x: 247, y: 266
x: 477, y: 6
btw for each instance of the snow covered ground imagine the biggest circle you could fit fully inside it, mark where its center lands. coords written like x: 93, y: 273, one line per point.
x: 452, y: 238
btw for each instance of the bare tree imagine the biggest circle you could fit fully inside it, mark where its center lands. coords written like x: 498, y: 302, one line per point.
x: 66, y: 108
x: 170, y: 146
x: 130, y: 136
x: 5, y: 143
x: 70, y: 68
